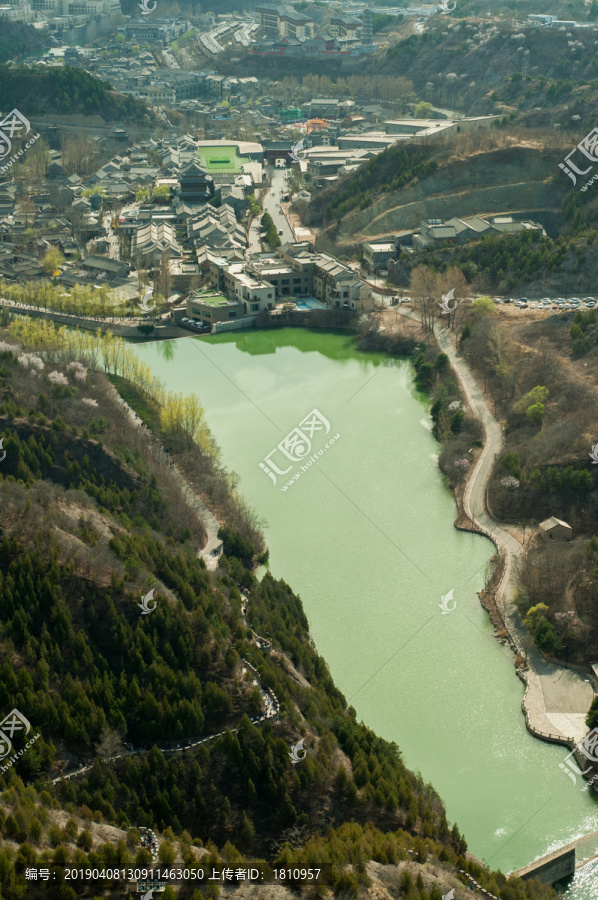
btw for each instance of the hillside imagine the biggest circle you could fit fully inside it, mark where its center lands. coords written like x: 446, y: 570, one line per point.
x: 92, y: 519
x: 538, y: 375
x: 479, y: 173
x: 18, y: 40
x: 65, y: 90
x: 541, y: 76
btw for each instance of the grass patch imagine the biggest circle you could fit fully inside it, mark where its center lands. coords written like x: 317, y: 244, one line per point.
x: 221, y: 159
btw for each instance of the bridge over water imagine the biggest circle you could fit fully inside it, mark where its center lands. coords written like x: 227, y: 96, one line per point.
x: 561, y: 863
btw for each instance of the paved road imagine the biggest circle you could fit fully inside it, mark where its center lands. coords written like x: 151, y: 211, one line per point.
x: 271, y: 204
x: 255, y: 245
x: 170, y: 59
x: 557, y: 699
x: 114, y: 252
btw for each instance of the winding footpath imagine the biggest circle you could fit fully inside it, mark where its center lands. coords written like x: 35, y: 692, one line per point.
x: 270, y: 711
x: 556, y: 699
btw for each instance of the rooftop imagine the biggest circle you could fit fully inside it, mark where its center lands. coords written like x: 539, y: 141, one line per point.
x: 552, y: 522
x: 213, y: 299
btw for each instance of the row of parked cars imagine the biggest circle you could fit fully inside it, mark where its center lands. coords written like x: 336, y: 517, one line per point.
x: 186, y: 322
x: 548, y: 303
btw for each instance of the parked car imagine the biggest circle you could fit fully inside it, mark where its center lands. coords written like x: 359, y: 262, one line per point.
x: 588, y: 300
x: 532, y: 306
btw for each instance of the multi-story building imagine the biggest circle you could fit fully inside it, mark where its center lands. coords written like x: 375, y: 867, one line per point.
x: 256, y: 294
x: 20, y: 12
x: 377, y: 254
x: 159, y: 29
x: 186, y: 85
x: 283, y: 22
x: 157, y: 92
x: 75, y: 8
x: 344, y: 27
x: 292, y: 24
x: 286, y: 280
x: 296, y: 272
x: 267, y: 18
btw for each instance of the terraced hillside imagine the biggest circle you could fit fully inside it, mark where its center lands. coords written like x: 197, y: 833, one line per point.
x: 519, y: 179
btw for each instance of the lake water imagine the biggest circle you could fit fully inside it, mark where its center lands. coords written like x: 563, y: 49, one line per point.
x: 365, y: 536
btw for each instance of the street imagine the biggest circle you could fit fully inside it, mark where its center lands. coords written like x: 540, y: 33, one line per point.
x: 272, y: 200
x: 110, y: 236
x: 271, y: 204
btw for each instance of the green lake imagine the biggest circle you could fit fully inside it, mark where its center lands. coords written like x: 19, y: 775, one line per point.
x: 365, y: 536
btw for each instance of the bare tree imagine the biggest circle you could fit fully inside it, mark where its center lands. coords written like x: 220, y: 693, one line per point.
x: 110, y: 743
x: 453, y: 280
x: 425, y: 288
x: 78, y: 154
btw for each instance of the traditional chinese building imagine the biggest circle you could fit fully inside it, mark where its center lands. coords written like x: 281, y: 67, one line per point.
x: 196, y: 186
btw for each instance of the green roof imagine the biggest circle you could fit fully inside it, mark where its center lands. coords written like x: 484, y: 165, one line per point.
x: 212, y: 298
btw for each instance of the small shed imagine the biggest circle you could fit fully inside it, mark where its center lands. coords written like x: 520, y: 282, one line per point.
x: 555, y: 529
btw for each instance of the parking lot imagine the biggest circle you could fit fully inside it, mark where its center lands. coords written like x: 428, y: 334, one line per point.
x: 547, y: 304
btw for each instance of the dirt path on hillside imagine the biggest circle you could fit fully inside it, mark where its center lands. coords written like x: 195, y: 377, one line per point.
x: 555, y: 701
